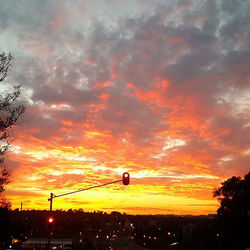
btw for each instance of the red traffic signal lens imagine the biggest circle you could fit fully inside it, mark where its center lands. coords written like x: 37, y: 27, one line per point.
x: 51, y: 220
x: 50, y: 223
x: 125, y: 178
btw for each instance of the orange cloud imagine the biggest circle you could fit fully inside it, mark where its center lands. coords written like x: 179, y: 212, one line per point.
x: 162, y: 95
x: 176, y: 40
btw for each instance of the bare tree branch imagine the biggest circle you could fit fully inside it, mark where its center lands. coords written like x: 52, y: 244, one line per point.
x: 10, y: 113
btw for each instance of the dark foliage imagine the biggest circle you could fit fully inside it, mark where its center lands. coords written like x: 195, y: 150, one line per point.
x: 10, y: 112
x: 234, y: 196
x: 234, y: 212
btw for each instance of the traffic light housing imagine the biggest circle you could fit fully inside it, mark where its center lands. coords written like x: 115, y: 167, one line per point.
x: 50, y: 223
x: 125, y: 178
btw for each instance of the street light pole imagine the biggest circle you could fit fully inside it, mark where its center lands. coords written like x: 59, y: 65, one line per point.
x: 50, y: 200
x: 50, y: 209
x: 52, y: 196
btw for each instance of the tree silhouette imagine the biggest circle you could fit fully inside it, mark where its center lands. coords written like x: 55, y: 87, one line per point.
x: 234, y: 212
x: 10, y: 112
x: 234, y: 196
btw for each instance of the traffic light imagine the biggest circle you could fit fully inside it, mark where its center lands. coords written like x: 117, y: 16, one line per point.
x: 50, y: 223
x: 125, y: 178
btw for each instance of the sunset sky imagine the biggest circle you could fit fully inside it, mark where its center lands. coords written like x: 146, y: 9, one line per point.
x: 160, y: 89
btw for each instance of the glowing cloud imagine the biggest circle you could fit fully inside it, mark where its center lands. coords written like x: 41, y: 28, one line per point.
x: 158, y: 89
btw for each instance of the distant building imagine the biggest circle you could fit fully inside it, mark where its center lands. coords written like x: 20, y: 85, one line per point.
x: 41, y: 243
